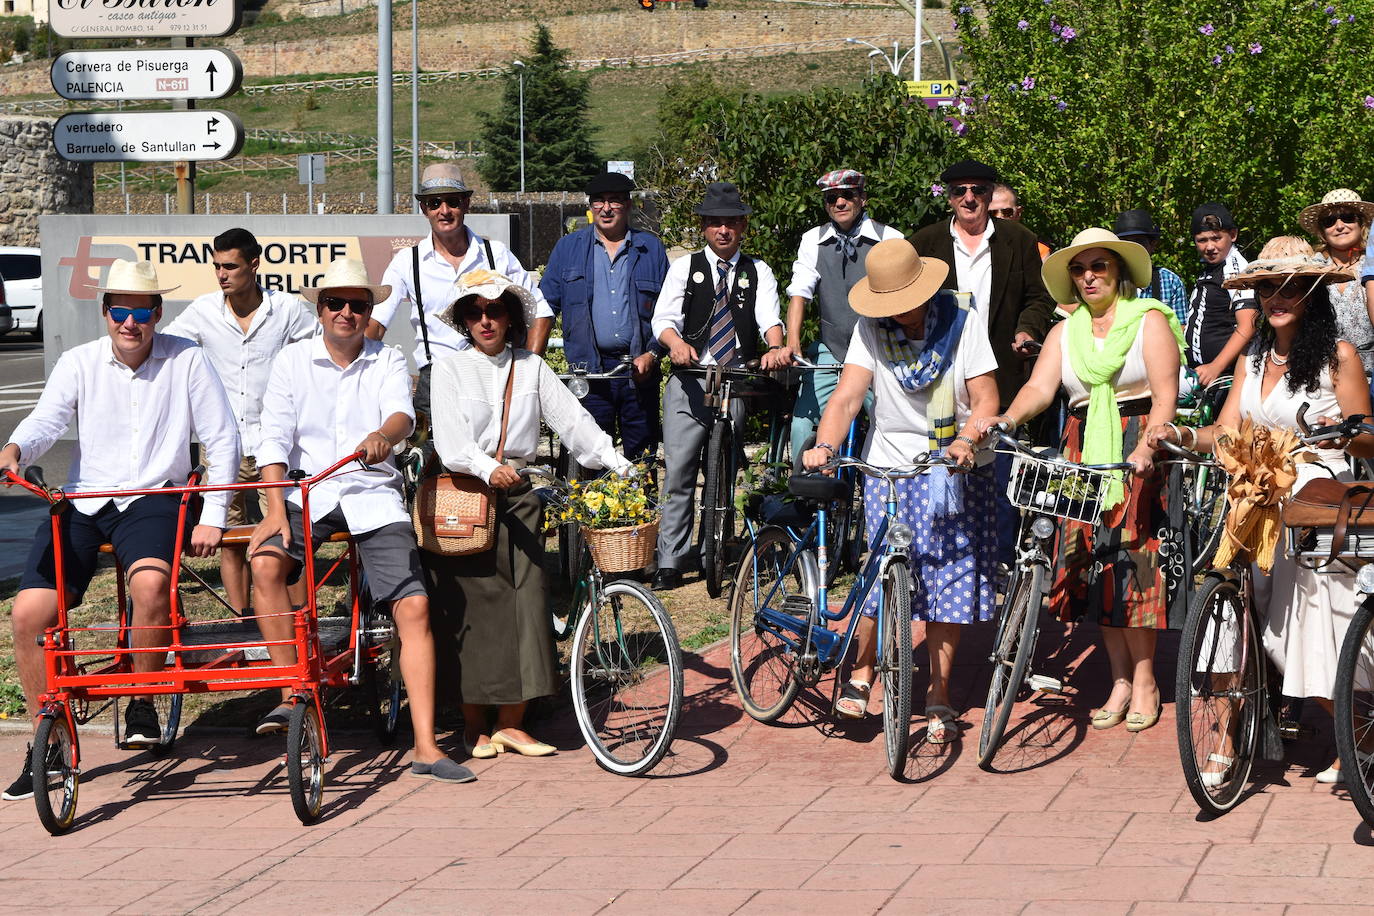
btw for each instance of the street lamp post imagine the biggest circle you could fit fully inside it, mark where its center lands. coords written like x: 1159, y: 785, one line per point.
x: 520, y: 65
x: 894, y: 60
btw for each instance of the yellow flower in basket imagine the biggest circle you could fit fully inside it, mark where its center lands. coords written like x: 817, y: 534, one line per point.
x: 612, y: 501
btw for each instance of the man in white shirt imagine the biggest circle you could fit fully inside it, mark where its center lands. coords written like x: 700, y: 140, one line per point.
x: 714, y: 308
x: 830, y: 261
x: 327, y: 398
x: 137, y: 397
x: 241, y: 328
x: 425, y: 274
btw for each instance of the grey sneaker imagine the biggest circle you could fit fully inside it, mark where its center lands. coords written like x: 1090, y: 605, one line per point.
x: 442, y: 770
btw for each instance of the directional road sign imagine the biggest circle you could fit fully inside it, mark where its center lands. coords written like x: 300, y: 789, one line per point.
x: 147, y: 136
x: 163, y: 74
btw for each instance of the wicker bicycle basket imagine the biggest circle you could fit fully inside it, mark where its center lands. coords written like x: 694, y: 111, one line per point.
x: 1057, y: 488
x: 617, y: 550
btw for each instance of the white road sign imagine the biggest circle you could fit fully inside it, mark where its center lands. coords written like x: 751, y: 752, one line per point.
x: 143, y: 18
x: 163, y: 74
x: 147, y: 136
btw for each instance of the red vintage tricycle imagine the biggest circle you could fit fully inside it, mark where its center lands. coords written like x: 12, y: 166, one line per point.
x: 90, y: 668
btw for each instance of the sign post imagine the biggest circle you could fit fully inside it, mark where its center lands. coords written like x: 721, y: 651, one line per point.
x: 310, y: 168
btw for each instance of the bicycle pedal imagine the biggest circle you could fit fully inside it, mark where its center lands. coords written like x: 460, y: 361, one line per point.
x: 1045, y: 684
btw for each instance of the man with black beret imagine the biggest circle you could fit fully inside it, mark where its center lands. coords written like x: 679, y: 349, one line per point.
x: 604, y: 280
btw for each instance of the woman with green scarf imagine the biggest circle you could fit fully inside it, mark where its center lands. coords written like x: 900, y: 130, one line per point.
x: 1117, y: 357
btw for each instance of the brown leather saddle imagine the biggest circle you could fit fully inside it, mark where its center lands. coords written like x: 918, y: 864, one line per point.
x: 1329, y: 503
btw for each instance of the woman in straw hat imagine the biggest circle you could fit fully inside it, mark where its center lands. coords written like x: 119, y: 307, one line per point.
x: 1297, y: 357
x: 1340, y: 224
x: 926, y: 356
x: 492, y: 604
x: 1117, y: 357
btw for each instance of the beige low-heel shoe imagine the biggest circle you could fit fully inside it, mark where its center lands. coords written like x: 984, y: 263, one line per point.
x: 1139, y: 721
x: 484, y: 751
x: 504, y: 742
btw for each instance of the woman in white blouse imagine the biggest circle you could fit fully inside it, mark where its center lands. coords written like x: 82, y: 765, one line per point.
x: 492, y: 604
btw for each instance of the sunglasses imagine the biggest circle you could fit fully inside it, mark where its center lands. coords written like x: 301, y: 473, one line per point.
x: 496, y: 312
x: 455, y: 201
x: 1346, y: 216
x: 1003, y: 212
x: 1098, y: 268
x: 1288, y: 290
x: 336, y: 304
x: 977, y: 190
x: 833, y: 197
x: 609, y: 203
x: 119, y: 315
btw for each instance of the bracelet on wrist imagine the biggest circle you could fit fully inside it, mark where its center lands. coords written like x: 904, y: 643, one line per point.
x: 385, y: 437
x: 971, y: 444
x: 827, y: 446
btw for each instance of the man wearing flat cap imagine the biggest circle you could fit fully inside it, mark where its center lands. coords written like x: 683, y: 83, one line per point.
x: 137, y: 398
x: 715, y: 307
x: 996, y: 260
x: 424, y: 274
x: 604, y: 280
x: 830, y: 261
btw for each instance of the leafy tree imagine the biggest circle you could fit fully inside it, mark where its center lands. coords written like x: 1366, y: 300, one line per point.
x: 559, y: 153
x: 1090, y: 107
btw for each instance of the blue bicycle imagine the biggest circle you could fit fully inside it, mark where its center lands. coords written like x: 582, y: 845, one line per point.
x: 780, y: 634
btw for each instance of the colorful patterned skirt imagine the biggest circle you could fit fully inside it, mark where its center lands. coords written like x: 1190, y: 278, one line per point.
x: 1114, y: 572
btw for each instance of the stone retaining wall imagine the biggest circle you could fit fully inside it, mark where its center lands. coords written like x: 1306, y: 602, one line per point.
x: 35, y: 180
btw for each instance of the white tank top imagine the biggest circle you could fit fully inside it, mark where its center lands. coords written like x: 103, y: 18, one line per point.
x: 1130, y: 382
x: 1280, y: 407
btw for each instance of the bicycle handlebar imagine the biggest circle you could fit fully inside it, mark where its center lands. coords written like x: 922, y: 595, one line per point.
x: 625, y: 365
x: 1351, y: 426
x: 1184, y: 454
x: 1000, y: 430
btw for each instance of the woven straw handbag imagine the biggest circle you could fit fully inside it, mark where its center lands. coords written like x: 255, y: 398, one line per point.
x: 454, y: 514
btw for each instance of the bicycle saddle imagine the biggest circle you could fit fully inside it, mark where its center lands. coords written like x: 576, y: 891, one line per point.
x: 817, y: 487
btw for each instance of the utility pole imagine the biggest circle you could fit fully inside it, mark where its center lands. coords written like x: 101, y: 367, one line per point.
x: 186, y: 169
x: 386, y: 185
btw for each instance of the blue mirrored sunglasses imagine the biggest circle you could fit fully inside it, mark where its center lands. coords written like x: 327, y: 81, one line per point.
x: 119, y: 315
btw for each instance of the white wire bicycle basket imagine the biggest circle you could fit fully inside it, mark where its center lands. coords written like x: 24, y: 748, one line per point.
x: 1058, y: 488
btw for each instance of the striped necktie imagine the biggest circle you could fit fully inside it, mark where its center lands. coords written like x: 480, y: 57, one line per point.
x: 722, y: 341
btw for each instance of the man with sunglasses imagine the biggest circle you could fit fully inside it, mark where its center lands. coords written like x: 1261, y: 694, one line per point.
x: 137, y: 397
x: 831, y: 259
x: 242, y: 327
x: 327, y: 398
x: 1006, y: 204
x: 604, y: 279
x: 1220, y: 321
x: 424, y: 275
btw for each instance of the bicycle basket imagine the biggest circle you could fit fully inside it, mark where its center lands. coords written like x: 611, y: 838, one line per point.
x: 1058, y: 488
x: 618, y: 550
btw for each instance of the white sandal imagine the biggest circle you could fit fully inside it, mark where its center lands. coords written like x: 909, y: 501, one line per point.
x: 1212, y: 780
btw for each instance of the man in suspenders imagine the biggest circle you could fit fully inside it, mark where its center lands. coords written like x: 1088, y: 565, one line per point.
x: 425, y: 274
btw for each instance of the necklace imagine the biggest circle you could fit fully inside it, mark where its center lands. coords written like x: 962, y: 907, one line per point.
x: 1277, y: 360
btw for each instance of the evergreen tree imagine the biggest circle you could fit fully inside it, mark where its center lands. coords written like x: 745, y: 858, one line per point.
x: 559, y: 153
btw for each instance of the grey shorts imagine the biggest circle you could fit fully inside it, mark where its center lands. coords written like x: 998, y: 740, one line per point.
x: 390, y: 557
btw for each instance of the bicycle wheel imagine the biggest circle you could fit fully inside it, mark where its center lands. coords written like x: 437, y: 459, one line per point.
x: 1355, y: 710
x: 842, y: 524
x: 305, y: 761
x: 626, y: 707
x: 717, y: 506
x: 1011, y: 656
x: 381, y: 672
x: 1206, y: 513
x: 54, y: 793
x: 763, y: 665
x: 895, y: 666
x: 1219, y: 679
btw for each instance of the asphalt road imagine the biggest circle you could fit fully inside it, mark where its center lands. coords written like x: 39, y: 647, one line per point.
x: 21, y: 382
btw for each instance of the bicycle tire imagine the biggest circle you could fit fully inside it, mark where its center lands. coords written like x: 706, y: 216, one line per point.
x: 717, y: 506
x: 626, y: 720
x: 762, y: 666
x: 1355, y: 709
x: 896, y: 661
x: 1011, y: 658
x: 1207, y: 508
x: 62, y: 785
x: 381, y: 669
x: 305, y: 761
x: 1217, y: 632
x: 842, y: 524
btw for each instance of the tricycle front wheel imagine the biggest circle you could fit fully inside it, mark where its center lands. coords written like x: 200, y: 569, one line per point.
x: 56, y: 775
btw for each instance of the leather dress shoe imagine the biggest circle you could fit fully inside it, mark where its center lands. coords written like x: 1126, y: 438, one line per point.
x: 667, y: 579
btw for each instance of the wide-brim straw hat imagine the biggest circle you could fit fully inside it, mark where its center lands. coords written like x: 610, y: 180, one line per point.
x: 134, y: 278
x: 1055, y: 270
x: 898, y: 280
x: 1285, y: 257
x: 1337, y: 200
x: 489, y: 285
x: 345, y: 273
x: 442, y: 178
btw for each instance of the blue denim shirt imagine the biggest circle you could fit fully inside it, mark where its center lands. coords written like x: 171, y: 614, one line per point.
x: 613, y: 320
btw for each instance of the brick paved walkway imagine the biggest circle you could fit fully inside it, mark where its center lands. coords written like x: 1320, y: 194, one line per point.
x: 745, y: 817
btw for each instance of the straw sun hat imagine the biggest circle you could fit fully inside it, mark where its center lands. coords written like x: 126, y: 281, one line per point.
x: 489, y: 285
x: 1056, y: 268
x: 1339, y: 200
x: 345, y: 273
x: 898, y: 280
x: 1284, y: 258
x: 135, y: 278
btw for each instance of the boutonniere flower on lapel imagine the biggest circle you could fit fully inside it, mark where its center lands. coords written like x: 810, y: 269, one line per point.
x: 743, y: 282
x: 698, y: 277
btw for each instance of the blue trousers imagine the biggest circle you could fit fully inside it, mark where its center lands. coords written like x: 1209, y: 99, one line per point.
x: 629, y: 410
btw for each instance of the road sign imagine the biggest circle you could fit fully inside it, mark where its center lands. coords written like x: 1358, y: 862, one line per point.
x: 143, y: 18
x: 163, y: 74
x: 932, y: 89
x: 310, y: 167
x: 147, y: 136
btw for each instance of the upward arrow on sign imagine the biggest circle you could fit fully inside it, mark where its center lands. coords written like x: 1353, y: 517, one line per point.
x: 211, y: 70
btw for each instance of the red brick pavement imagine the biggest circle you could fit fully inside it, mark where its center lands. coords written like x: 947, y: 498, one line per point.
x: 741, y: 818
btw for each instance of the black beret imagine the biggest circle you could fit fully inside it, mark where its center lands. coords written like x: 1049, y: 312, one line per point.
x: 970, y: 169
x: 610, y: 183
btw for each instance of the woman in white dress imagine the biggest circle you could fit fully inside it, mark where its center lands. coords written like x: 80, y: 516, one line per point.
x: 1296, y: 358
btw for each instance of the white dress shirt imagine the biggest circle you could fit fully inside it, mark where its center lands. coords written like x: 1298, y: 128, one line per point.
x: 316, y: 412
x: 437, y: 276
x: 243, y: 359
x: 134, y: 426
x: 973, y: 269
x: 469, y: 391
x: 804, y: 274
x: 669, y: 309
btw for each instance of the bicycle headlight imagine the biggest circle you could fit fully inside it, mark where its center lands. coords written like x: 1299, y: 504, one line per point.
x: 1364, y: 579
x: 1042, y: 527
x: 899, y: 536
x: 579, y: 386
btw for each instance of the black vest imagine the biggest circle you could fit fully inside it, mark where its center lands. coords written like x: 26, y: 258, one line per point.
x: 699, y: 301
